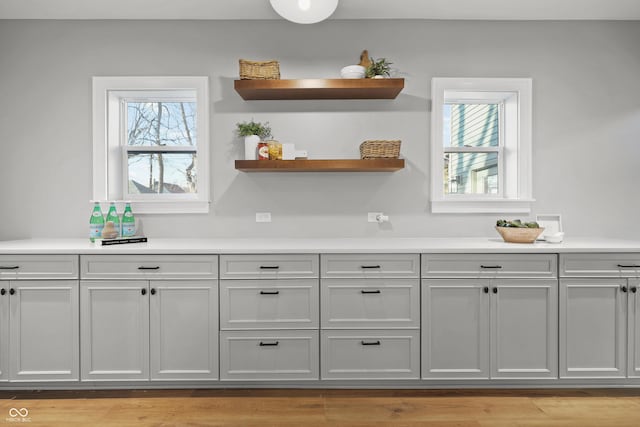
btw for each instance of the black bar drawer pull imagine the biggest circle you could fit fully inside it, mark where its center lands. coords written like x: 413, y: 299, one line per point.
x: 269, y: 344
x: 269, y: 267
x: 494, y: 267
x: 370, y: 342
x: 157, y: 267
x: 370, y: 266
x: 13, y: 267
x: 628, y: 266
x: 269, y: 292
x: 372, y: 291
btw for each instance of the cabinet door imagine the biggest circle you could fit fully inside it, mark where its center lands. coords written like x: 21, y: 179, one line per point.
x: 593, y: 315
x: 43, y: 330
x: 633, y: 364
x: 4, y: 331
x: 455, y: 329
x: 115, y: 330
x: 524, y: 328
x: 184, y: 330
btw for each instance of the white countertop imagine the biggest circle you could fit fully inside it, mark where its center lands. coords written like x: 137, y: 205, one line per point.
x: 315, y: 245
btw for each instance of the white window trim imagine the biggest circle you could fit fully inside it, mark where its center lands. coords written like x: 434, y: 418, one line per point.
x: 107, y: 151
x: 517, y: 195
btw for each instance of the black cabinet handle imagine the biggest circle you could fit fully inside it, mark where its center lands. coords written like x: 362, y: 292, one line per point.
x: 269, y: 292
x: 634, y: 289
x: 269, y: 267
x: 495, y: 290
x: 369, y: 266
x: 485, y: 289
x: 153, y: 291
x: 370, y: 342
x: 493, y: 267
x: 367, y: 291
x: 269, y: 344
x: 628, y: 266
x: 3, y: 291
x: 12, y: 291
x: 144, y: 291
x: 624, y: 289
x: 12, y: 267
x: 157, y: 267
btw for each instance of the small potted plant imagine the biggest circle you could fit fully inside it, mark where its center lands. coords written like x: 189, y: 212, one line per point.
x: 253, y: 132
x: 378, y: 69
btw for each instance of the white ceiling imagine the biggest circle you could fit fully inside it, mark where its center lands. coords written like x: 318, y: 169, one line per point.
x: 347, y: 9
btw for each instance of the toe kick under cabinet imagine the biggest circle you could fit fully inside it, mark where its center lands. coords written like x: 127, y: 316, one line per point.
x: 370, y: 316
x: 269, y: 317
x: 149, y: 317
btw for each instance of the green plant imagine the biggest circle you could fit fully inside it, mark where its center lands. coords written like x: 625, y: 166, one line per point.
x: 380, y: 67
x: 254, y: 128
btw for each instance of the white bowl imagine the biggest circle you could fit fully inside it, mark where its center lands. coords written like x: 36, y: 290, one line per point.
x: 353, y: 72
x: 554, y: 238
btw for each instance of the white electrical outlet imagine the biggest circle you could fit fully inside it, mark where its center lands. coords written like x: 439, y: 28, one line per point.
x: 373, y: 216
x: 263, y: 216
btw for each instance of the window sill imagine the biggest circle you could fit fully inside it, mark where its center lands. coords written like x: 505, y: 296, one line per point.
x: 473, y: 206
x: 169, y: 207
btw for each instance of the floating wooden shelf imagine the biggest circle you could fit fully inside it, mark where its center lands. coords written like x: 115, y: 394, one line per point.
x: 319, y: 89
x: 324, y: 165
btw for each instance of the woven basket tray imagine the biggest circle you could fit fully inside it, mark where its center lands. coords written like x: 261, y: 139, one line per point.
x: 380, y: 148
x: 259, y: 70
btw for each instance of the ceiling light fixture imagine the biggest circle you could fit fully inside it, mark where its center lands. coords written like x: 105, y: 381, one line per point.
x: 304, y: 11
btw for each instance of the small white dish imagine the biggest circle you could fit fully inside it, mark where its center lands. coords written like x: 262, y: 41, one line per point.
x: 353, y: 72
x: 554, y: 238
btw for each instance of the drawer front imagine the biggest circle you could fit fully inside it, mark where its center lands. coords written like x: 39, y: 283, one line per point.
x: 375, y: 354
x: 268, y: 266
x: 370, y: 303
x: 269, y: 304
x: 489, y: 265
x: 370, y: 265
x: 269, y: 355
x: 600, y: 265
x: 149, y: 266
x: 38, y: 267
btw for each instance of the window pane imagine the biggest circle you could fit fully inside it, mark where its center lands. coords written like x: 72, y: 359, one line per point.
x: 471, y: 125
x: 471, y: 173
x: 161, y: 123
x: 162, y: 173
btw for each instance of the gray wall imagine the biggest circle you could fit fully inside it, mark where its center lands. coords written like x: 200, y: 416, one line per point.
x: 586, y: 78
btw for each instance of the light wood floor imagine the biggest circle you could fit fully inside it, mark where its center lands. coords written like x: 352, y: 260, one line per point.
x: 308, y: 408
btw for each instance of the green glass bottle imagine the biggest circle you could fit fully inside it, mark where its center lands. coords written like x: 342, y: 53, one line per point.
x: 96, y: 222
x: 128, y: 222
x: 112, y: 215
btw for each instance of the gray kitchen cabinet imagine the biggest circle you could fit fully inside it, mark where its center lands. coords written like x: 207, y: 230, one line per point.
x: 114, y: 321
x: 184, y: 330
x: 599, y: 318
x: 498, y: 325
x: 269, y: 317
x: 140, y: 321
x: 370, y: 316
x: 39, y: 318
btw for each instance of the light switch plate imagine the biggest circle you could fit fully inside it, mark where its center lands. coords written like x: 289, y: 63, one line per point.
x: 263, y: 216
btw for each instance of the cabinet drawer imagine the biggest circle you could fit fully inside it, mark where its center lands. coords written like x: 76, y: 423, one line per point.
x: 374, y: 354
x: 370, y: 303
x: 599, y: 265
x: 269, y: 304
x: 489, y: 265
x: 369, y: 265
x: 38, y: 267
x: 269, y: 355
x: 149, y: 266
x: 268, y: 266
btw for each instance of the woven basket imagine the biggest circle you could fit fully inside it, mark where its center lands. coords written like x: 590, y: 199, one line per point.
x: 380, y: 148
x: 519, y: 235
x: 259, y: 70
